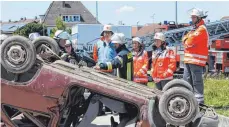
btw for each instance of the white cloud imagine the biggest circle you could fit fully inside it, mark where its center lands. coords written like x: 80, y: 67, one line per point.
x: 125, y: 9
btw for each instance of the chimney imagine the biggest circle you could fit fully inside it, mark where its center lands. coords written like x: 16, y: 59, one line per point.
x: 63, y: 4
x: 41, y: 18
x: 9, y: 20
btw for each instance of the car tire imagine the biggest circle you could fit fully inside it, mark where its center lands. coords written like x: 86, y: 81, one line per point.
x: 51, y: 43
x: 154, y: 117
x: 177, y: 83
x: 178, y: 106
x: 25, y: 51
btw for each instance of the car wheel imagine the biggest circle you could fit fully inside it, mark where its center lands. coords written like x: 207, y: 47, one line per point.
x: 18, y: 54
x: 178, y: 106
x: 177, y: 83
x: 51, y: 43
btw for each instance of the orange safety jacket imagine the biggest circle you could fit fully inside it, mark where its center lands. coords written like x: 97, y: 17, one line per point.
x: 196, y: 45
x: 140, y: 66
x: 163, y: 65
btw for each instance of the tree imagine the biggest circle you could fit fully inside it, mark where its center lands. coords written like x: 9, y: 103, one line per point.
x: 31, y: 28
x: 60, y: 25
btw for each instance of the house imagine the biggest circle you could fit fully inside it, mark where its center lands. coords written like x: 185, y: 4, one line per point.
x: 135, y: 29
x: 72, y: 12
x: 9, y: 27
x: 148, y: 29
x: 225, y: 17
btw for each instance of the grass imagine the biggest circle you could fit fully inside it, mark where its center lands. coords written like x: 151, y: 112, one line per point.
x: 216, y: 93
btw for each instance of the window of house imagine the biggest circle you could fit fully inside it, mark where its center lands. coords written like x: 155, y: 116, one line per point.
x: 71, y: 18
x: 66, y: 18
x: 63, y: 18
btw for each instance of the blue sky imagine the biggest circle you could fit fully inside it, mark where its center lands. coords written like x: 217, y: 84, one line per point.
x: 127, y: 12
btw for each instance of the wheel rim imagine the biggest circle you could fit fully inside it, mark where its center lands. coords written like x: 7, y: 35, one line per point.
x: 178, y: 107
x: 42, y: 49
x: 16, y: 54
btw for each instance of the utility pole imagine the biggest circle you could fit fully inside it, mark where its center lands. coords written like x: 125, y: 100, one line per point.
x: 97, y: 17
x: 153, y: 17
x: 137, y: 24
x: 176, y: 11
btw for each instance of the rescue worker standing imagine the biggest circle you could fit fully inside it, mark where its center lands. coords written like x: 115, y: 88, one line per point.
x: 104, y: 50
x: 140, y: 58
x: 123, y: 62
x: 196, y: 53
x: 163, y: 62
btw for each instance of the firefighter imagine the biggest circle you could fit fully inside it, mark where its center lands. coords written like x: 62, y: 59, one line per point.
x: 140, y: 58
x: 70, y: 56
x: 196, y: 53
x: 163, y: 62
x: 61, y: 37
x: 104, y: 50
x: 123, y: 62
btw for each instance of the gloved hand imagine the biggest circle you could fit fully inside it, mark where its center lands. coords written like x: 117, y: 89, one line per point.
x: 102, y: 66
x: 64, y: 56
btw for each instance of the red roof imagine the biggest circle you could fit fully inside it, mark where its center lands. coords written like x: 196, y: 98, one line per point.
x: 135, y: 30
x: 149, y: 29
x: 225, y: 17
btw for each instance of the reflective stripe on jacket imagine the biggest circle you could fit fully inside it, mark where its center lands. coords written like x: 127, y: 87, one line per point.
x: 196, y: 45
x: 123, y: 63
x: 140, y: 67
x: 163, y: 65
x: 103, y: 52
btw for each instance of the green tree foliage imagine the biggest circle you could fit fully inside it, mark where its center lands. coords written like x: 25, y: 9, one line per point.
x: 31, y: 28
x: 60, y: 25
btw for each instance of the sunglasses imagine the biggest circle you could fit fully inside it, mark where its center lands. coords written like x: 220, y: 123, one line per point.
x: 67, y: 46
x: 107, y: 32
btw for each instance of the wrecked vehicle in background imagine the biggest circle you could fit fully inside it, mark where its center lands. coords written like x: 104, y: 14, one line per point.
x: 51, y: 94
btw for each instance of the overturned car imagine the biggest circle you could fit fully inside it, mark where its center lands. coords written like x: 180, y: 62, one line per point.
x: 57, y: 93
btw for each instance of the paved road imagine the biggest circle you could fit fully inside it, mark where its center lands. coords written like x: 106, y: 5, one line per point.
x: 104, y: 121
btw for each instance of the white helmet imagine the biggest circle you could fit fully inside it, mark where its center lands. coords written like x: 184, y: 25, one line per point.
x: 33, y: 36
x: 118, y: 38
x: 57, y: 33
x: 159, y: 36
x: 3, y: 37
x: 68, y: 42
x: 106, y: 28
x: 197, y: 12
x: 139, y: 40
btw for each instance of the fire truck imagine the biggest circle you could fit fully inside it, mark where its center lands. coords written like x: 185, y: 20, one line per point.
x: 218, y: 59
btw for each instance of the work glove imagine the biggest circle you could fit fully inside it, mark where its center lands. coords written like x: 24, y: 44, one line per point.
x: 64, y: 56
